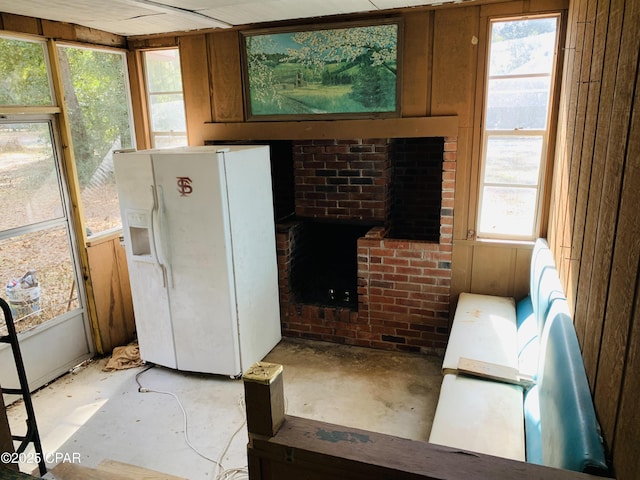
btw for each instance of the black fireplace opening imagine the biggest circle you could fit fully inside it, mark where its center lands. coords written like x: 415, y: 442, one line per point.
x: 416, y: 188
x: 324, y: 267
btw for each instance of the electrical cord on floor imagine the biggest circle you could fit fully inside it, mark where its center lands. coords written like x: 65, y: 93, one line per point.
x: 240, y: 473
x: 221, y: 473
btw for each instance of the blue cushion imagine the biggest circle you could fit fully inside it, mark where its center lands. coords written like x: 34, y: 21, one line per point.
x: 527, y: 333
x: 524, y: 311
x: 570, y: 434
x: 545, y: 286
x: 533, y: 438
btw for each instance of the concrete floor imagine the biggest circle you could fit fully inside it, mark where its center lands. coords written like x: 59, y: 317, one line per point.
x: 99, y: 416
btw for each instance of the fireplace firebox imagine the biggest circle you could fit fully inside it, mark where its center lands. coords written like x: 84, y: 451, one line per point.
x: 324, y: 267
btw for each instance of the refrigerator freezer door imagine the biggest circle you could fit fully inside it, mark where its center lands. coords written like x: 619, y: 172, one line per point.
x: 194, y: 241
x: 138, y: 206
x: 251, y: 217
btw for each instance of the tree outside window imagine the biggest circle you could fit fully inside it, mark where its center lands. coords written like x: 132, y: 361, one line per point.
x: 97, y: 99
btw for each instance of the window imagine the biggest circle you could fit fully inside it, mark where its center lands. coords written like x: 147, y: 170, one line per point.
x: 165, y: 100
x: 24, y: 73
x: 97, y: 99
x: 516, y: 126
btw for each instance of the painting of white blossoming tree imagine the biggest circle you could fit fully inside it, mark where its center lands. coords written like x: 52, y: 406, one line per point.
x: 343, y: 71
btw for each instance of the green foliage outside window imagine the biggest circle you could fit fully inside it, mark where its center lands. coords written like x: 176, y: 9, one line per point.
x: 97, y: 101
x: 24, y: 80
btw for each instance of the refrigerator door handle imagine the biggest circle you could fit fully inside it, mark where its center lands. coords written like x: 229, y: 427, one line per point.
x: 156, y: 236
x: 161, y: 238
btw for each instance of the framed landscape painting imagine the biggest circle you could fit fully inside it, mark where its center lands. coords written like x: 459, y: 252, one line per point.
x: 350, y: 70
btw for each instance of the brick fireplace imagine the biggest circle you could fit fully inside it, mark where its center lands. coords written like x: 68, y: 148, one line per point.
x: 365, y: 256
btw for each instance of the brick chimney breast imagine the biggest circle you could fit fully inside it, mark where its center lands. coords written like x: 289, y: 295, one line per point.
x: 404, y: 190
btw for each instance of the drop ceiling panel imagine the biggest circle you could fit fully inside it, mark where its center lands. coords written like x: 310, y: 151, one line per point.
x: 83, y: 12
x: 387, y: 4
x: 273, y: 10
x: 142, y: 17
x: 157, y: 23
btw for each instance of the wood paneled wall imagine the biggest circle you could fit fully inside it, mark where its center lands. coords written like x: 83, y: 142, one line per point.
x: 442, y: 57
x: 594, y: 228
x: 110, y: 279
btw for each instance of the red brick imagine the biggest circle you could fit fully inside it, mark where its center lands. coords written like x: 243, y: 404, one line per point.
x: 395, y: 309
x: 368, y: 242
x: 409, y: 288
x: 383, y: 345
x: 390, y: 277
x: 395, y: 324
x: 450, y: 146
x: 395, y: 293
x: 395, y: 261
x: 422, y: 280
x: 368, y: 335
x: 424, y: 264
x: 408, y: 302
x: 376, y: 329
x: 377, y: 299
x: 448, y: 166
x: 424, y: 327
x: 362, y: 343
x: 336, y: 149
x: 407, y: 333
x: 382, y: 252
x: 397, y: 245
x: 412, y: 270
x: 425, y: 246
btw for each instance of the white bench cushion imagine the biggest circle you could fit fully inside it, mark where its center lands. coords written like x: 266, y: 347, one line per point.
x: 480, y: 416
x: 484, y: 328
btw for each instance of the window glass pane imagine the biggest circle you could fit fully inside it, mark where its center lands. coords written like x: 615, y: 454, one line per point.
x: 163, y: 70
x: 24, y: 79
x: 508, y: 211
x: 29, y: 189
x: 167, y: 112
x: 515, y: 125
x: 43, y: 258
x: 170, y: 140
x: 513, y: 160
x: 165, y: 98
x: 522, y: 46
x: 518, y: 103
x: 96, y: 94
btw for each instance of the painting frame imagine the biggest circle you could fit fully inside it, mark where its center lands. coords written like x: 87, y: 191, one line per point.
x: 320, y: 72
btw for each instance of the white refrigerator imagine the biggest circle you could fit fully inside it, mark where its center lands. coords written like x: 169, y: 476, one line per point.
x: 199, y: 234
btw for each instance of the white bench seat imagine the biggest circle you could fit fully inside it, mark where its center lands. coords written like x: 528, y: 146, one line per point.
x: 497, y: 350
x: 480, y: 416
x: 484, y: 328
